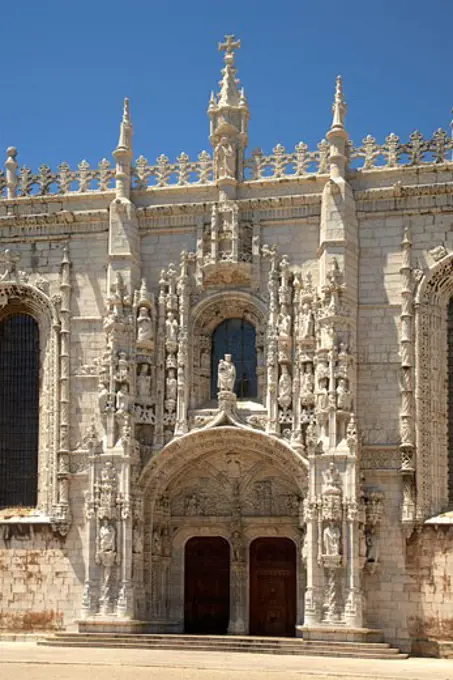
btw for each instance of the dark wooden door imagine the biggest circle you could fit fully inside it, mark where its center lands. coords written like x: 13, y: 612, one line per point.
x: 207, y: 586
x: 273, y: 587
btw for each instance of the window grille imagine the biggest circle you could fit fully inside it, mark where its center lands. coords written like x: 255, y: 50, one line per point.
x: 238, y: 338
x: 19, y: 410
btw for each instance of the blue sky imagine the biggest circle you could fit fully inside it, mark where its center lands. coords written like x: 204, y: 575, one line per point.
x: 68, y: 65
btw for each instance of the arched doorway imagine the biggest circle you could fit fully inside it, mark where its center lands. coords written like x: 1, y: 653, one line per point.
x: 272, y: 587
x: 207, y: 586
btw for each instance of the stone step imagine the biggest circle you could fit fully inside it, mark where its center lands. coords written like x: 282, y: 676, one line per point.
x: 230, y: 643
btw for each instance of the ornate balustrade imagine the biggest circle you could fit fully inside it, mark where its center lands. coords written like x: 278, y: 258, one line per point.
x: 394, y: 153
x: 279, y: 164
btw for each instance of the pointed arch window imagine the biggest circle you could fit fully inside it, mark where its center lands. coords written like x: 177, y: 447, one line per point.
x: 19, y: 410
x: 238, y: 338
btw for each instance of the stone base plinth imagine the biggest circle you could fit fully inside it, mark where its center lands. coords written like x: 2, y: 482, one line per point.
x: 165, y: 626
x: 339, y: 634
x: 105, y: 624
x: 438, y: 649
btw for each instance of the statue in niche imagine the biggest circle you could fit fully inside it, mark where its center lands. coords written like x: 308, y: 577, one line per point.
x: 225, y: 157
x: 107, y: 536
x: 344, y: 401
x: 284, y: 388
x: 103, y: 398
x: 157, y: 542
x: 331, y: 480
x: 122, y: 399
x: 331, y: 540
x: 307, y: 386
x: 322, y: 396
x: 307, y: 322
x: 226, y: 374
x: 171, y: 326
x: 192, y: 505
x: 144, y: 382
x: 145, y: 331
x: 123, y: 367
x: 171, y: 384
x: 284, y: 324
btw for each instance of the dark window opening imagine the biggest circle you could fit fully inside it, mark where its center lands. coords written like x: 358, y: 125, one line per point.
x: 238, y: 338
x: 19, y: 410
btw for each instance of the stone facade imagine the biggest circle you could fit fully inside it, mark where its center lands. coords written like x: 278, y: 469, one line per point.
x: 341, y: 259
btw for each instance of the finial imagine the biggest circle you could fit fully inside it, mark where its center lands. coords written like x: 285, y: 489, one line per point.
x: 212, y: 101
x: 339, y: 107
x: 407, y: 241
x: 228, y: 47
x: 126, y: 111
x: 243, y: 99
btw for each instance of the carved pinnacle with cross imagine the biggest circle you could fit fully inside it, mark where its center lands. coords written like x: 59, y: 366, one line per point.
x: 229, y: 45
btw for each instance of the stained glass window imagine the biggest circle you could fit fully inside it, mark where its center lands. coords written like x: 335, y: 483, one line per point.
x: 238, y: 338
x: 19, y: 410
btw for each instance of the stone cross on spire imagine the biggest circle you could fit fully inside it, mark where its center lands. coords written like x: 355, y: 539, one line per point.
x: 229, y: 46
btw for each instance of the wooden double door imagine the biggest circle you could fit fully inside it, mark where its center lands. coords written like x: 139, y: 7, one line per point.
x: 272, y: 579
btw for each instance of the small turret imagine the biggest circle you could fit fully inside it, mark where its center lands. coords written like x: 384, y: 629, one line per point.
x: 123, y: 155
x: 337, y: 135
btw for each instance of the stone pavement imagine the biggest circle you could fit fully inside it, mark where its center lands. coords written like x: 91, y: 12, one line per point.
x: 26, y: 661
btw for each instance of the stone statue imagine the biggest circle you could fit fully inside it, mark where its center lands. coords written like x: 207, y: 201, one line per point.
x: 306, y: 322
x: 144, y: 382
x: 145, y: 332
x: 284, y: 325
x: 225, y: 156
x: 106, y: 540
x: 103, y: 398
x: 171, y: 326
x: 226, y: 374
x: 238, y: 546
x: 284, y: 388
x: 331, y: 539
x: 157, y: 542
x: 171, y: 384
x: 123, y: 367
x: 322, y: 396
x: 331, y: 480
x: 344, y: 401
x: 122, y: 399
x: 307, y: 386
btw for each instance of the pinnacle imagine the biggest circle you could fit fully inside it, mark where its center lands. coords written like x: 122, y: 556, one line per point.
x: 339, y: 107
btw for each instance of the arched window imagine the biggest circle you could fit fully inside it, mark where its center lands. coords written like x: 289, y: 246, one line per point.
x: 19, y: 410
x: 238, y: 338
x: 450, y: 402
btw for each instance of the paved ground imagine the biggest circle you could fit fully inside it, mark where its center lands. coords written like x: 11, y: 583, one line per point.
x: 26, y: 661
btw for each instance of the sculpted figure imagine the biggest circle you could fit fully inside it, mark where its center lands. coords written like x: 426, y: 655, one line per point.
x: 171, y: 326
x: 307, y: 386
x: 226, y: 374
x: 106, y: 552
x: 344, y: 401
x: 171, y: 384
x: 238, y: 546
x: 322, y: 396
x: 225, y: 159
x: 123, y: 367
x: 103, y: 398
x: 284, y: 325
x: 331, y: 539
x: 144, y: 382
x: 122, y: 399
x: 307, y: 325
x: 332, y: 479
x: 144, y: 326
x: 284, y: 388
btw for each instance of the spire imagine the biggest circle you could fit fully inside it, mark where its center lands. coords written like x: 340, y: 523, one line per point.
x: 126, y: 129
x: 229, y: 92
x: 339, y: 108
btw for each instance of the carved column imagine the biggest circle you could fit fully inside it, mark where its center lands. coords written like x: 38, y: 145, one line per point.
x: 238, y: 598
x: 407, y: 446
x: 272, y: 426
x: 62, y: 511
x: 160, y: 366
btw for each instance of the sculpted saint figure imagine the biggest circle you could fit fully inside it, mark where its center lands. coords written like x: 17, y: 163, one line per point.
x: 343, y: 395
x: 122, y: 399
x: 284, y: 325
x: 107, y: 541
x: 225, y: 159
x: 171, y: 326
x: 103, y: 397
x: 144, y: 326
x: 322, y: 397
x: 332, y: 479
x: 284, y: 388
x: 307, y: 325
x: 144, y: 382
x: 226, y: 374
x: 331, y: 539
x: 171, y: 384
x: 307, y: 386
